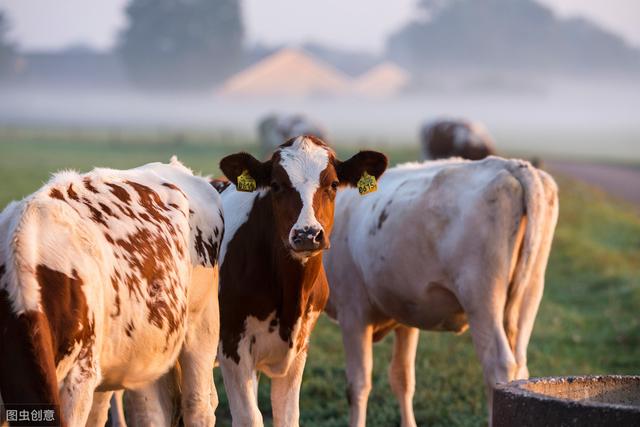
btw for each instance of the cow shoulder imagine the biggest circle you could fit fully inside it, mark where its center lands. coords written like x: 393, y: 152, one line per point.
x: 205, y: 213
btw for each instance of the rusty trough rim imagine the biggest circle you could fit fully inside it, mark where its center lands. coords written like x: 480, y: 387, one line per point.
x: 518, y: 388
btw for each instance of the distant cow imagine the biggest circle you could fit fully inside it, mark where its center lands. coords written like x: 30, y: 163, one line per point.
x: 440, y: 246
x: 456, y: 138
x: 96, y: 290
x: 276, y: 129
x: 272, y: 282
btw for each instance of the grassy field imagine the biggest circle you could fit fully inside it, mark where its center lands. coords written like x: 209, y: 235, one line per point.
x: 588, y: 321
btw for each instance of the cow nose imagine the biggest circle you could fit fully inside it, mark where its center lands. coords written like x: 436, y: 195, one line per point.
x: 308, y: 239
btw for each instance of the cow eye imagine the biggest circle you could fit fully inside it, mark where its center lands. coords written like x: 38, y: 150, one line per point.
x: 334, y: 185
x: 275, y: 187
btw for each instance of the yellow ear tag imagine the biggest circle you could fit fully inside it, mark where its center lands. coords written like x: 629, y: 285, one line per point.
x: 367, y: 184
x: 246, y: 182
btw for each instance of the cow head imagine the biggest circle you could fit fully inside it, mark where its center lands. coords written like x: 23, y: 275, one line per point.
x: 302, y: 178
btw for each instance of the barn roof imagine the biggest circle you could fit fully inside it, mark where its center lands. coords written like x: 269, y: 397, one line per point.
x: 288, y: 72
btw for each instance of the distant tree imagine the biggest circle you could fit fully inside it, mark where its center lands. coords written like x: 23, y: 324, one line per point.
x: 7, y: 51
x: 184, y: 44
x: 506, y: 35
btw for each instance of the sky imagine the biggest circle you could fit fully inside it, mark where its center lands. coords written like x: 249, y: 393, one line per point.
x: 353, y: 24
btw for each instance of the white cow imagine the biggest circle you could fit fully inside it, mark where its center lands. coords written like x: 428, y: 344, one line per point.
x: 96, y: 290
x: 441, y: 245
x: 275, y: 129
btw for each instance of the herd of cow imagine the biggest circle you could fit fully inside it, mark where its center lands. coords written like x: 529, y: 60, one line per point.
x: 142, y: 279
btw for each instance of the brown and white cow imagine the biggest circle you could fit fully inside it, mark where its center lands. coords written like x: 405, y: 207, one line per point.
x: 96, y: 290
x: 440, y: 246
x: 442, y: 139
x: 272, y: 282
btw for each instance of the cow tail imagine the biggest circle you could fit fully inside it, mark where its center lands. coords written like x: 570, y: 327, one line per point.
x: 27, y: 364
x: 534, y: 210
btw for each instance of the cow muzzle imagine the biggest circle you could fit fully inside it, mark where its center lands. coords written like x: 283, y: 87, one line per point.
x: 308, y: 239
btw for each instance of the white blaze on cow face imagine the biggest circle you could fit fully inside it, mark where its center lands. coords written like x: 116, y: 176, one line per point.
x: 304, y: 161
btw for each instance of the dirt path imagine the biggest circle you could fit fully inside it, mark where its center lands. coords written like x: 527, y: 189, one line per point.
x: 620, y: 181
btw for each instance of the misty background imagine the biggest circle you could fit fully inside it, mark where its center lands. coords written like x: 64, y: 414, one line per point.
x: 552, y: 78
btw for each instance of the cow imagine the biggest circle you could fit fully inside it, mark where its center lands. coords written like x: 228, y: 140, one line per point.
x: 96, y: 290
x: 274, y: 129
x: 272, y: 281
x: 446, y: 138
x: 441, y: 246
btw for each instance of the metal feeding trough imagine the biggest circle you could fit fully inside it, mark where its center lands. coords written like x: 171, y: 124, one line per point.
x: 610, y: 400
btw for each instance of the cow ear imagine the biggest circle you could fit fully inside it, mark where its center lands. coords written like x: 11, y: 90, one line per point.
x: 245, y: 168
x: 371, y: 162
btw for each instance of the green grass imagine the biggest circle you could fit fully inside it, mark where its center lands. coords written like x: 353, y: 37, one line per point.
x: 588, y: 321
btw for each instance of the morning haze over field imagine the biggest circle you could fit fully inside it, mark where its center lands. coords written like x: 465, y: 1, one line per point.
x: 546, y: 81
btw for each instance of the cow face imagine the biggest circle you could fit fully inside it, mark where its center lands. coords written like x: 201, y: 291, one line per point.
x: 302, y: 178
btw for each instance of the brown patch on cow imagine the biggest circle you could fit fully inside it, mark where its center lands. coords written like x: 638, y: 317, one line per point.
x: 129, y: 328
x: 151, y: 202
x: 206, y: 248
x: 384, y: 214
x: 67, y: 312
x: 72, y: 194
x: 259, y: 277
x: 27, y: 369
x: 126, y: 210
x: 96, y: 215
x: 382, y: 218
x: 174, y: 187
x: 107, y: 210
x: 56, y: 194
x: 116, y: 287
x: 150, y: 255
x: 312, y: 138
x: 117, y: 302
x: 108, y: 237
x: 174, y: 206
x: 87, y: 184
x: 272, y: 325
x: 159, y: 309
x: 119, y: 192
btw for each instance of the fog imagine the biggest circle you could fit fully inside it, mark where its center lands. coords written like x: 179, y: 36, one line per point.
x: 544, y: 84
x: 590, y: 119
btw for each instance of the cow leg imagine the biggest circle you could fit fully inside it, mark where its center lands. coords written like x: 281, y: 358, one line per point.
x: 357, y: 339
x: 492, y: 348
x: 77, y: 390
x: 402, y: 374
x: 99, y: 409
x: 155, y: 404
x: 199, y: 397
x: 526, y: 318
x: 241, y: 384
x: 116, y: 410
x: 285, y: 394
